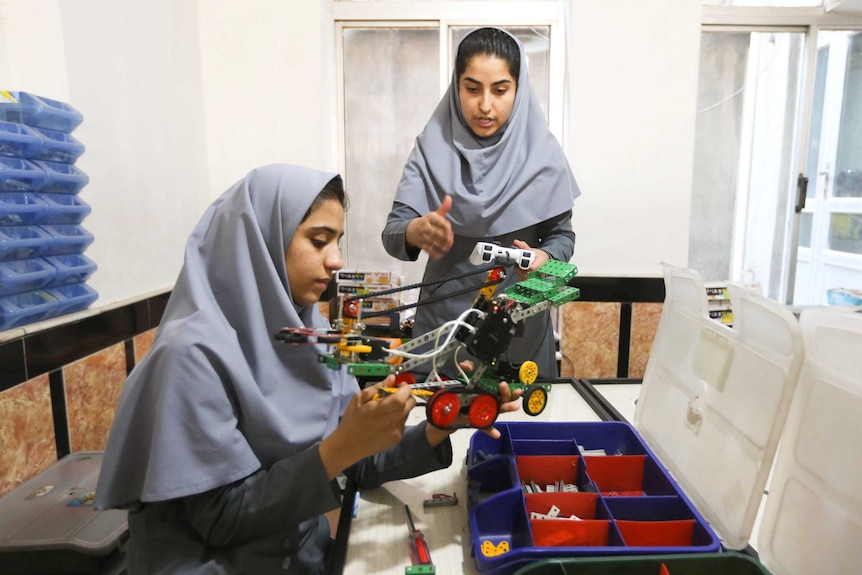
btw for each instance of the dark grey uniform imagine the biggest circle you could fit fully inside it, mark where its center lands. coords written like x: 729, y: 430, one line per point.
x: 554, y: 236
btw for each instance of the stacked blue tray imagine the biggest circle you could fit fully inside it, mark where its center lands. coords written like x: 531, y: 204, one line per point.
x: 43, y: 269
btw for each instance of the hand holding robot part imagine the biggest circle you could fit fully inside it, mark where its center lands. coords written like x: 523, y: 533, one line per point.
x: 367, y: 427
x: 486, y: 252
x: 540, y: 258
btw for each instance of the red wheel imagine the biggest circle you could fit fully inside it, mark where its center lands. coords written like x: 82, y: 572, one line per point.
x: 442, y: 408
x: 483, y: 411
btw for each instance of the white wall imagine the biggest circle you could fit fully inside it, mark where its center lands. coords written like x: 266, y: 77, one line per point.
x: 267, y: 81
x: 133, y: 70
x: 630, y: 140
x: 181, y: 99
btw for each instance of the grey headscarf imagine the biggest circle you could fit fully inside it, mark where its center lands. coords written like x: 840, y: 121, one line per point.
x: 514, y: 179
x: 217, y: 398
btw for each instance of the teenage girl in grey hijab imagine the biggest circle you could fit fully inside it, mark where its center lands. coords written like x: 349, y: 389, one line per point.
x: 486, y: 168
x: 226, y: 442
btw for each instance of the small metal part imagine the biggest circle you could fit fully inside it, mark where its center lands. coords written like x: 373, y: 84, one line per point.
x: 441, y: 500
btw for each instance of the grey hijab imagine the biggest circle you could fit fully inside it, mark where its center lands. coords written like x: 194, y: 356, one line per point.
x: 514, y: 179
x: 216, y: 398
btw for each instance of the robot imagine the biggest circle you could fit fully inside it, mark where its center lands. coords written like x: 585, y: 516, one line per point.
x: 484, y: 330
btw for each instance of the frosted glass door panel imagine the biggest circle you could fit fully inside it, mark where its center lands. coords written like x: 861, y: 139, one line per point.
x: 391, y: 87
x: 744, y: 178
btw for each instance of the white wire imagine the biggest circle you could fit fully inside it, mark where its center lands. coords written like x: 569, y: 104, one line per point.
x: 453, y: 324
x: 428, y: 354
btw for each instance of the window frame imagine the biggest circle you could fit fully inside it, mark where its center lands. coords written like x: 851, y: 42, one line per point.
x: 811, y: 21
x: 442, y: 15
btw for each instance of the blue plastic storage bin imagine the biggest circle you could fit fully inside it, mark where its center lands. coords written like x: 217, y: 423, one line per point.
x: 62, y: 208
x: 28, y: 307
x: 22, y: 209
x: 18, y: 276
x: 17, y: 175
x: 19, y: 141
x: 72, y: 298
x: 38, y: 111
x: 56, y: 146
x: 618, y: 498
x: 61, y: 178
x: 70, y: 269
x: 19, y: 242
x: 67, y: 239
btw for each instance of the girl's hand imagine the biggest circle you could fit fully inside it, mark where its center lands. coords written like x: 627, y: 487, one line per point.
x: 541, y: 259
x: 368, y: 426
x: 432, y: 232
x: 509, y: 403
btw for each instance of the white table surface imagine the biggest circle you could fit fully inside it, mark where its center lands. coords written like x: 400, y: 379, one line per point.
x: 378, y: 541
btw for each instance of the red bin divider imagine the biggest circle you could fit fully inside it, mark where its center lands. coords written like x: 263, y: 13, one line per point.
x: 570, y: 532
x: 547, y: 469
x: 616, y: 472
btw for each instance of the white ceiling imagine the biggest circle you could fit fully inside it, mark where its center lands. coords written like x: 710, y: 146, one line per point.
x: 844, y: 6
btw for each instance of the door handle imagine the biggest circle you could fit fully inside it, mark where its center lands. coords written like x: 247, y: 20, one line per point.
x: 801, y: 191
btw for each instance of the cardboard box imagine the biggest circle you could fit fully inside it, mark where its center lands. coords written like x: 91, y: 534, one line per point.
x: 356, y: 289
x: 386, y: 278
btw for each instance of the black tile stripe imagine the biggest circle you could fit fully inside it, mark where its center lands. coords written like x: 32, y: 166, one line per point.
x: 60, y: 413
x: 49, y: 350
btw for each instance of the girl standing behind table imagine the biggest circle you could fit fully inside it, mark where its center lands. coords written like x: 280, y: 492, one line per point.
x: 485, y: 168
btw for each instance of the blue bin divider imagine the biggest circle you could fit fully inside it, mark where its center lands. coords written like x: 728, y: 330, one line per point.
x: 661, y: 508
x: 56, y: 146
x: 71, y: 298
x: 70, y: 269
x: 22, y: 209
x: 29, y: 274
x: 489, y: 476
x: 486, y: 446
x: 19, y: 242
x: 28, y: 307
x: 61, y: 178
x: 67, y: 239
x: 38, y: 111
x: 63, y: 208
x: 643, y: 504
x: 17, y: 175
x: 19, y: 141
x: 504, y: 526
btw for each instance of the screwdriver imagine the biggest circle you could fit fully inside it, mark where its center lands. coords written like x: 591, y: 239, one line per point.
x: 419, y: 553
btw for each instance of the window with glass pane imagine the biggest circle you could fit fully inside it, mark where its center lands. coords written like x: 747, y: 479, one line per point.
x: 391, y: 86
x: 848, y: 165
x: 830, y: 240
x: 748, y: 91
